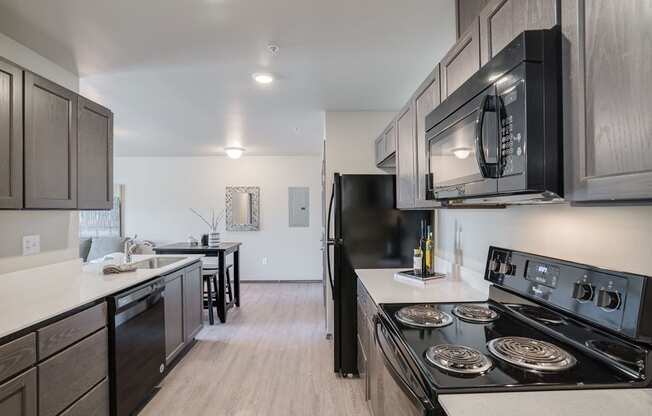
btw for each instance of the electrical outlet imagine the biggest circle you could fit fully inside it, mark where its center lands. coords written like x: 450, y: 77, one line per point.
x: 31, y: 244
x: 264, y: 260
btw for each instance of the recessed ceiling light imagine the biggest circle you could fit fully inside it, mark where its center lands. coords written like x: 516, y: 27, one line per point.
x: 234, y: 152
x: 263, y: 77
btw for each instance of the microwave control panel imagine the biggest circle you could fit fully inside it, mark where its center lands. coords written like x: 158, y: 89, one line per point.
x: 512, y: 129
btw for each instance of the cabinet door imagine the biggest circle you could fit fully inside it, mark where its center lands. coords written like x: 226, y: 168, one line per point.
x: 390, y: 140
x: 192, y: 303
x: 467, y: 12
x: 426, y: 99
x: 95, y: 156
x: 18, y: 395
x: 405, y: 172
x: 607, y: 105
x: 379, y: 149
x: 375, y: 370
x: 462, y: 61
x: 502, y: 20
x: 11, y: 136
x: 50, y: 145
x: 173, y: 295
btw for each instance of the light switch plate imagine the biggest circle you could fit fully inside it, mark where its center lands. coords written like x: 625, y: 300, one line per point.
x: 31, y: 244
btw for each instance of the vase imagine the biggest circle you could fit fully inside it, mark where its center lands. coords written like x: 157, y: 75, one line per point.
x: 213, y: 239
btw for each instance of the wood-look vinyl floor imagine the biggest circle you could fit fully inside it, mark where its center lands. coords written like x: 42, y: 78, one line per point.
x: 270, y: 358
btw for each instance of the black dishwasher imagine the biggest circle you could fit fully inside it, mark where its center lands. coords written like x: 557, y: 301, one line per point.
x: 136, y: 346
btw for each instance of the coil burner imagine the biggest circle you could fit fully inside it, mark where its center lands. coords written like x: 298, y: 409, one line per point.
x: 475, y: 313
x: 423, y: 316
x: 531, y: 354
x: 458, y: 359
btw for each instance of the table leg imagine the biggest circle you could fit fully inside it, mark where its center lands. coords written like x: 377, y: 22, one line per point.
x: 221, y: 298
x: 236, y: 277
x: 211, y: 318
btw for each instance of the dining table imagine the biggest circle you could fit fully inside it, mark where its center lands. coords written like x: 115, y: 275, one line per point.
x: 221, y: 251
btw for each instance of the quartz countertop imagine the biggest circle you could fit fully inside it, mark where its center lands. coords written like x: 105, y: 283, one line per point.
x: 28, y: 297
x: 630, y: 402
x: 383, y: 288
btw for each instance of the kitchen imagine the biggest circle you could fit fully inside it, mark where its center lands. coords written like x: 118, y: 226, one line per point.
x: 515, y: 165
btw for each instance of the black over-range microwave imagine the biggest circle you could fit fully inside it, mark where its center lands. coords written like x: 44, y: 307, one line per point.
x: 498, y: 138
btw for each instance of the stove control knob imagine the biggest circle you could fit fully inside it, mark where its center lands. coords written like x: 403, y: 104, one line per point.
x: 583, y: 291
x: 608, y: 299
x: 506, y: 268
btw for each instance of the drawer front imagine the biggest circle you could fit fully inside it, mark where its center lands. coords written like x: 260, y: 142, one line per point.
x: 71, y: 373
x: 59, y: 335
x: 17, y: 355
x: 93, y: 403
x: 18, y: 395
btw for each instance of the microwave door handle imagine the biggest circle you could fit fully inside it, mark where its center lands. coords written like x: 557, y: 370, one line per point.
x: 479, y: 144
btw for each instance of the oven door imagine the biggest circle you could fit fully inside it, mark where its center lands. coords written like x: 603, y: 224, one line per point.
x: 403, y: 395
x: 463, y: 150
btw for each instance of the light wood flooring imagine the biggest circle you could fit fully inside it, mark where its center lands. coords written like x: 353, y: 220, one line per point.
x: 270, y: 358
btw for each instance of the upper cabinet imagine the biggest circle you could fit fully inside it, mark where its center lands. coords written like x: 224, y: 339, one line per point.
x: 405, y: 163
x: 95, y: 156
x: 462, y: 61
x: 385, y: 148
x: 502, y: 20
x: 50, y: 145
x: 56, y: 148
x: 607, y: 105
x: 11, y: 136
x: 427, y: 97
x: 467, y: 11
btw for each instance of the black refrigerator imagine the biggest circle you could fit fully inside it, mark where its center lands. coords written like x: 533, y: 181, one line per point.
x: 366, y: 231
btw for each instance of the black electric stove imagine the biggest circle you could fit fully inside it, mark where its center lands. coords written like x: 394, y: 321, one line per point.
x: 548, y: 325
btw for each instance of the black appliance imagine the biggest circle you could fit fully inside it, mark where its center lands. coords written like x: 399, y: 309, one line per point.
x: 136, y: 346
x: 498, y: 137
x: 369, y: 233
x: 548, y: 325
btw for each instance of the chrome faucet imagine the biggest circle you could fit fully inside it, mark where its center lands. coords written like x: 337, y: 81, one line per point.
x: 130, y: 246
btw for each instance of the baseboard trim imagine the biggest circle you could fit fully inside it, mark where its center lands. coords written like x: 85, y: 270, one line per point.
x: 280, y: 281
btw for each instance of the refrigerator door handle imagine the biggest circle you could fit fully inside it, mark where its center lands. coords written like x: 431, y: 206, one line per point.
x: 330, y: 242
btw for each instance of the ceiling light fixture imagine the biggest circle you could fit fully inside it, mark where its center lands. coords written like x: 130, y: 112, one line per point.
x: 461, y: 152
x: 234, y: 152
x: 263, y: 78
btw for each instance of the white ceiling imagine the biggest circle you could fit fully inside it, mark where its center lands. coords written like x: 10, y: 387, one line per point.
x: 177, y: 73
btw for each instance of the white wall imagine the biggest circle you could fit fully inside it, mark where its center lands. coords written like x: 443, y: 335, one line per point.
x: 617, y: 238
x: 160, y: 190
x: 58, y: 229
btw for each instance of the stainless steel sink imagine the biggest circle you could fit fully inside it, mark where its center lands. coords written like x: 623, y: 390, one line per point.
x: 157, y: 262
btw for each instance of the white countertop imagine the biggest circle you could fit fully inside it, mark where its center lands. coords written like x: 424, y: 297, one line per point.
x: 625, y: 402
x: 383, y: 288
x: 28, y: 297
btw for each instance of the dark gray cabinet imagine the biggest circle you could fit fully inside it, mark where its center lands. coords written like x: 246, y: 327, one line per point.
x: 93, y: 403
x: 95, y: 156
x: 426, y: 99
x: 11, y: 136
x: 192, y: 306
x: 18, y: 395
x: 369, y: 365
x: 607, y: 105
x: 405, y: 153
x: 174, y: 335
x: 17, y: 355
x: 462, y: 61
x: 50, y: 145
x: 502, y: 20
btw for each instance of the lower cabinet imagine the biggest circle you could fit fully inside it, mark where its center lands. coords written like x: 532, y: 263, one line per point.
x: 93, y: 403
x: 369, y: 367
x: 18, y: 395
x: 183, y: 309
x: 193, y: 299
x: 173, y: 316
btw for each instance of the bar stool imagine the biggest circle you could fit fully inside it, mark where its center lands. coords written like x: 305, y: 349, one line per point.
x: 211, y: 289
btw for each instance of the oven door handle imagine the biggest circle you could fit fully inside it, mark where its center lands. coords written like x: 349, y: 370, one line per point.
x: 486, y: 105
x: 400, y: 380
